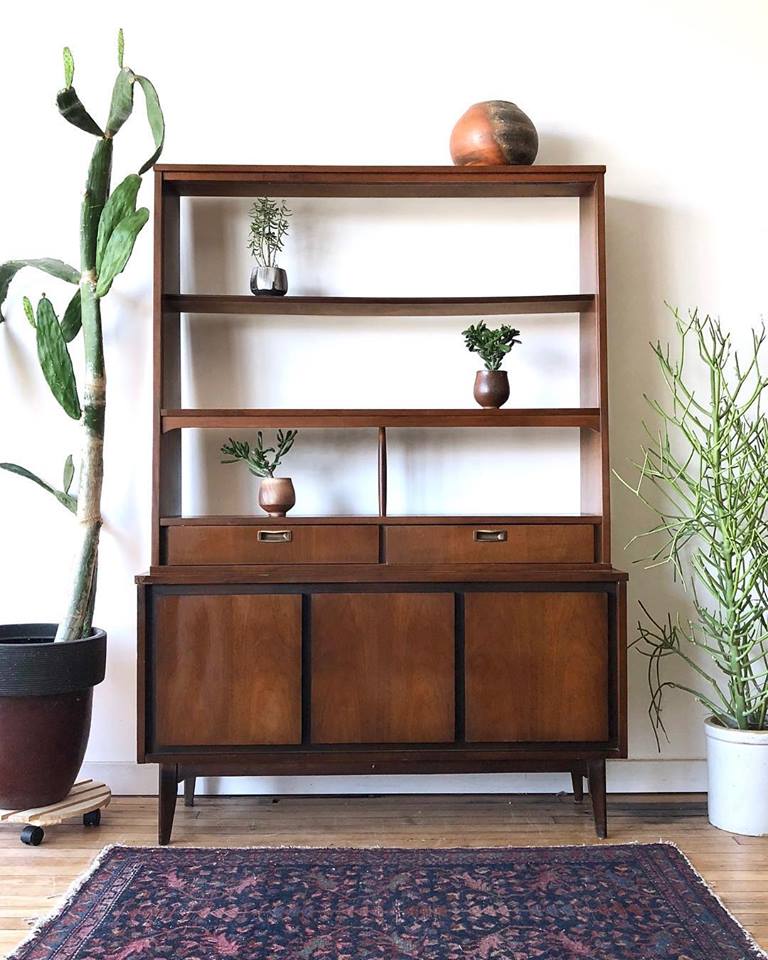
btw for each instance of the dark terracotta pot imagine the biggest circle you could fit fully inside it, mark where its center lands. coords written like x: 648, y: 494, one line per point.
x: 269, y: 282
x: 491, y: 388
x: 46, y: 692
x: 495, y: 131
x: 276, y: 495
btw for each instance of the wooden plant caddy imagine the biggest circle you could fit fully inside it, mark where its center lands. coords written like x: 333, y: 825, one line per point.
x: 86, y: 799
x: 381, y: 644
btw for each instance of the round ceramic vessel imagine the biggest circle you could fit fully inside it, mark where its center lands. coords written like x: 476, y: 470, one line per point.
x: 276, y: 495
x: 494, y: 132
x: 491, y: 388
x: 269, y: 282
x: 737, y: 769
x: 46, y: 693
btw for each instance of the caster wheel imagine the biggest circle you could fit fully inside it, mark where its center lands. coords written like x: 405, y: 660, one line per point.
x: 92, y: 819
x: 32, y: 836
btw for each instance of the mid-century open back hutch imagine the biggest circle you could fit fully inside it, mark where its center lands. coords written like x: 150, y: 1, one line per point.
x: 380, y: 644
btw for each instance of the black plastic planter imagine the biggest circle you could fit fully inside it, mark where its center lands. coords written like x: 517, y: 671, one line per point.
x: 46, y: 693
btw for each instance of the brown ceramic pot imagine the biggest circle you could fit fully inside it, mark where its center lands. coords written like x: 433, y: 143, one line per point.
x: 276, y: 495
x: 46, y: 692
x: 495, y: 131
x: 491, y: 388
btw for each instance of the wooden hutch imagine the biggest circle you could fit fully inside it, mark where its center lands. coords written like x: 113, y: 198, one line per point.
x: 384, y: 644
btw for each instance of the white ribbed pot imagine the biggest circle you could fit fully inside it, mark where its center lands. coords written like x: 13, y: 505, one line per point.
x: 737, y: 768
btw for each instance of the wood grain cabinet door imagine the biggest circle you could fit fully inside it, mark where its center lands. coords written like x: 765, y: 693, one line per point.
x: 536, y: 666
x: 227, y: 670
x: 383, y: 668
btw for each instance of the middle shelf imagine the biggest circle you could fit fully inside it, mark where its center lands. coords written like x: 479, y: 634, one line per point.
x: 584, y: 417
x: 379, y: 306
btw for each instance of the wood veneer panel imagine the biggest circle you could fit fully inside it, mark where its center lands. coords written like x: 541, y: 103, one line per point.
x: 166, y: 355
x: 526, y: 543
x: 378, y: 306
x: 536, y: 667
x: 383, y: 668
x: 375, y: 574
x: 215, y: 520
x: 242, y: 544
x: 227, y: 669
x: 593, y: 325
x: 443, y: 181
x: 586, y: 418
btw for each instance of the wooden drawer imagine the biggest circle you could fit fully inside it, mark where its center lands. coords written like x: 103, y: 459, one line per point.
x: 251, y: 543
x: 510, y: 543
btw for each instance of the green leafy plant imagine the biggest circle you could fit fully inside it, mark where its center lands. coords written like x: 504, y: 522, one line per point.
x: 269, y: 228
x: 261, y: 461
x: 704, y: 473
x: 109, y: 226
x: 491, y: 345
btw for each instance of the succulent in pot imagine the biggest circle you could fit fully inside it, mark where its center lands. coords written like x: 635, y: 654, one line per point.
x: 492, y: 383
x: 48, y: 671
x: 268, y: 230
x: 276, y: 494
x: 703, y: 472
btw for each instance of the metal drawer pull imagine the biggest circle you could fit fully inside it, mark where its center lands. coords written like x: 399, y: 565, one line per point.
x: 274, y: 536
x: 486, y: 536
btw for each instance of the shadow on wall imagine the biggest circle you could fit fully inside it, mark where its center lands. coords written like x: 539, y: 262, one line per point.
x: 644, y: 268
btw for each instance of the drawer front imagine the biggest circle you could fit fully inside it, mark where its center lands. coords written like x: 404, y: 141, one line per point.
x: 510, y: 543
x: 246, y: 543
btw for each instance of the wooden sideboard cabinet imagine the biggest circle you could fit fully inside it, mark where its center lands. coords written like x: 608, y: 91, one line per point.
x: 381, y: 644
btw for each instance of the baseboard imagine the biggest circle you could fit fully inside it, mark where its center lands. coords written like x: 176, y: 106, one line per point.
x: 624, y: 776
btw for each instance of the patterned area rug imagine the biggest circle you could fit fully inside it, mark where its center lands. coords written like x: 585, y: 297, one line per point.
x: 625, y: 902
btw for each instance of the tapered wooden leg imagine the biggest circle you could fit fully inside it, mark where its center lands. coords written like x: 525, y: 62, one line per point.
x: 168, y: 782
x: 596, y: 775
x: 577, y: 779
x: 189, y: 791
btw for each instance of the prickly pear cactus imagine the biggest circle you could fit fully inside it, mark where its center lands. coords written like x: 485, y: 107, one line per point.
x: 109, y: 225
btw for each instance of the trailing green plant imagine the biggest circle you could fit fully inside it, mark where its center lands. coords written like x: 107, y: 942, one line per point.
x: 109, y: 226
x: 704, y: 473
x: 269, y: 228
x: 491, y: 345
x: 261, y: 461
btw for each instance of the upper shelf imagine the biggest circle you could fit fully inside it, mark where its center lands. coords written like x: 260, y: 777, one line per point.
x: 211, y: 180
x: 378, y: 306
x: 586, y: 417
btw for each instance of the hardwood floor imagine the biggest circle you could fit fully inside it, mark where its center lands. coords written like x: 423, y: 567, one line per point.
x: 33, y: 879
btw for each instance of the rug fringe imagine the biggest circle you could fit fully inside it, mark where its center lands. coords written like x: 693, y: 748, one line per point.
x: 41, y: 925
x: 756, y: 950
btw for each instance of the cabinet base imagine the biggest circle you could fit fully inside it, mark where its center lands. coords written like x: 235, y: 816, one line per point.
x: 171, y: 774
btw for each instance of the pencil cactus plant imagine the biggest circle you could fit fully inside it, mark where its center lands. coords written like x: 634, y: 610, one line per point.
x: 109, y: 225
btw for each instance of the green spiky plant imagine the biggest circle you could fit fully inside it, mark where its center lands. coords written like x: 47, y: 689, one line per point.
x: 704, y: 474
x: 109, y: 226
x: 261, y: 461
x: 268, y: 230
x: 491, y: 345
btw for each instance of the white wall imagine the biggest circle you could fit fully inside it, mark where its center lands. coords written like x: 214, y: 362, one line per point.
x: 667, y: 94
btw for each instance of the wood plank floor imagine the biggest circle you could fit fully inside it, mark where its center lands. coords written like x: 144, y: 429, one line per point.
x: 33, y: 879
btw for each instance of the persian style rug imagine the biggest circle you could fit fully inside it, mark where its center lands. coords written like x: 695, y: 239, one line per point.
x: 626, y: 902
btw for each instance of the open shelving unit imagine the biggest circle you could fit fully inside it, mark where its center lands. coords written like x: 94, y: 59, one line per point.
x: 442, y: 609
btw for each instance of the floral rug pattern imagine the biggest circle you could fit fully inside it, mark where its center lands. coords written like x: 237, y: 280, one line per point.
x: 609, y: 902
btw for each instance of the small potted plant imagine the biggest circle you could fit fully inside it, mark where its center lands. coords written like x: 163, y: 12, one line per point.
x: 491, y: 384
x: 269, y: 228
x: 703, y: 472
x: 276, y: 494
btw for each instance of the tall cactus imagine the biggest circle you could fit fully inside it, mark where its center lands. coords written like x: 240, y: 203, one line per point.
x: 109, y: 226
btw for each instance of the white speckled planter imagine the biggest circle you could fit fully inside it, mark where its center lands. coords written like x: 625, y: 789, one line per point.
x: 737, y: 767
